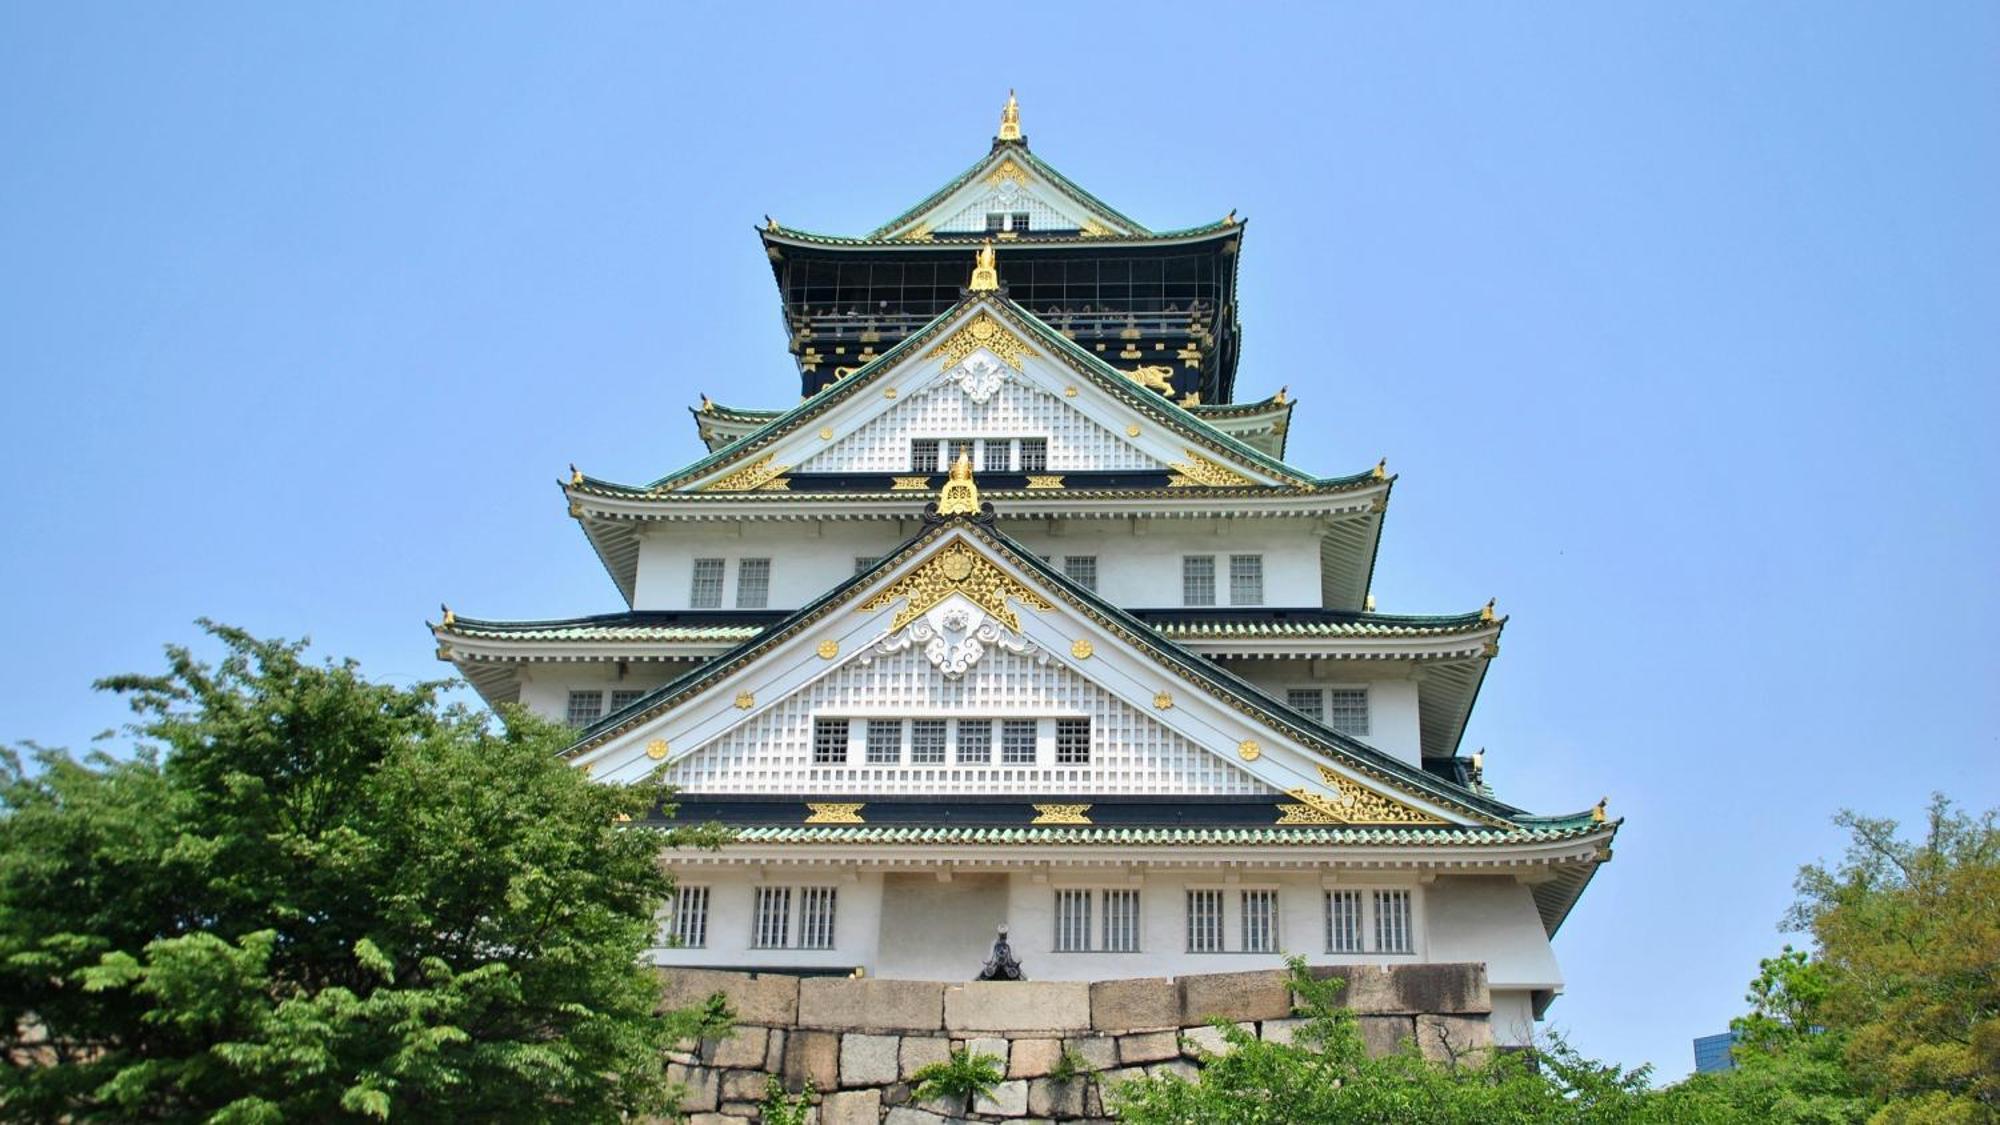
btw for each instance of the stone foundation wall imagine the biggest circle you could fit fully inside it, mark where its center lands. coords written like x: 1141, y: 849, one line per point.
x: 859, y: 1041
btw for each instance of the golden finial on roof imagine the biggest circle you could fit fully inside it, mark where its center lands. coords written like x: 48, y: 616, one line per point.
x: 1486, y: 613
x: 1229, y: 220
x: 575, y: 474
x: 770, y: 223
x: 1381, y: 469
x: 960, y: 496
x: 985, y: 270
x: 1279, y: 398
x: 450, y: 618
x: 1597, y: 814
x: 1010, y: 120
x: 1479, y: 760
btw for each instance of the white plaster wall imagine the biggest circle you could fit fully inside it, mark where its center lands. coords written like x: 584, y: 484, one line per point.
x: 807, y: 559
x: 732, y: 906
x: 1513, y: 1019
x: 545, y: 688
x: 1492, y: 918
x: 1395, y: 725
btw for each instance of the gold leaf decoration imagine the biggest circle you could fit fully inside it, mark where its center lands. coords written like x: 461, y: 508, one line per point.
x: 1163, y: 701
x: 1200, y: 472
x: 956, y: 569
x: 1091, y: 228
x: 1062, y: 814
x: 1008, y: 170
x: 1354, y: 803
x: 1081, y: 649
x: 759, y: 474
x: 982, y: 331
x: 656, y: 749
x: 1153, y: 377
x: 1035, y: 482
x: 835, y: 813
x: 910, y: 484
x: 1248, y: 750
x: 828, y: 649
x: 745, y: 701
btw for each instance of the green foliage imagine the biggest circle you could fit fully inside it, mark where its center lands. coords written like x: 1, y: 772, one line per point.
x: 781, y: 1108
x: 1069, y: 1066
x: 963, y: 1076
x: 312, y: 897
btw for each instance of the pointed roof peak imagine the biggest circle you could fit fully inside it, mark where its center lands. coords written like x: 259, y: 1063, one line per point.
x: 1010, y: 120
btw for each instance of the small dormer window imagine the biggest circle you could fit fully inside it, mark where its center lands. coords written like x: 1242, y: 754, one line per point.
x: 1020, y: 222
x: 996, y: 222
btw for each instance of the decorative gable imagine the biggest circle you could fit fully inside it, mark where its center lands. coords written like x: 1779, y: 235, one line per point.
x: 1011, y: 184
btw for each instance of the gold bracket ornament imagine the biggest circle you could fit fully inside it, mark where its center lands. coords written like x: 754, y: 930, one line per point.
x: 1200, y: 472
x: 1351, y: 803
x: 835, y: 813
x: 1040, y: 482
x: 910, y: 484
x: 956, y: 569
x: 982, y: 331
x: 761, y: 474
x: 1062, y: 814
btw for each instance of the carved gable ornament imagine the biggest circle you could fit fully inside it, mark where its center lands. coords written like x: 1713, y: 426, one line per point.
x: 1351, y: 803
x: 980, y: 376
x: 956, y: 569
x: 954, y: 636
x: 982, y: 331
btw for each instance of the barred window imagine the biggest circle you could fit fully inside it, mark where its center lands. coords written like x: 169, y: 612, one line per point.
x: 829, y: 742
x: 1072, y: 921
x: 924, y: 455
x: 1392, y: 922
x: 585, y: 707
x: 774, y: 918
x: 1343, y: 921
x: 1246, y: 580
x: 1309, y: 702
x: 1020, y: 221
x: 863, y: 562
x: 753, y: 583
x: 1034, y: 455
x: 1121, y: 921
x: 624, y: 698
x: 707, y: 592
x: 1260, y: 921
x: 975, y: 741
x: 1348, y: 710
x: 816, y: 917
x: 1198, y: 580
x: 927, y: 741
x: 1081, y: 569
x: 1204, y: 921
x: 687, y: 922
x: 1072, y: 742
x: 996, y: 221
x: 997, y: 456
x: 1017, y: 742
x: 885, y: 742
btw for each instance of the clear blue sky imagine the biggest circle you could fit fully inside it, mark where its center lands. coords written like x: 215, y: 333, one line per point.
x: 1679, y: 323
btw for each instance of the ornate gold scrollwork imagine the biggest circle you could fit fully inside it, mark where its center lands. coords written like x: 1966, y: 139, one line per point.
x: 835, y: 813
x: 956, y: 569
x: 1062, y: 814
x: 982, y: 331
x: 761, y: 474
x: 1200, y: 472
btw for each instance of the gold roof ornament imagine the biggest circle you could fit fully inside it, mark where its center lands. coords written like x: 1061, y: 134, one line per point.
x: 1010, y: 120
x: 960, y: 496
x: 1229, y: 220
x: 1368, y: 603
x: 1279, y: 398
x: 1597, y: 814
x: 1381, y: 469
x: 770, y: 223
x: 985, y: 271
x: 707, y: 405
x: 450, y: 618
x: 1486, y: 612
x: 575, y: 474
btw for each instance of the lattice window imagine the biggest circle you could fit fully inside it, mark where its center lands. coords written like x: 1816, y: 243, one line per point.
x: 975, y: 741
x: 1081, y: 569
x: 1072, y: 742
x: 774, y: 918
x: 1309, y: 702
x: 1343, y: 921
x: 1260, y: 921
x: 1018, y: 221
x: 829, y: 741
x: 1204, y: 921
x: 585, y: 708
x: 1072, y: 921
x: 1246, y: 580
x: 623, y: 698
x: 687, y: 922
x: 885, y: 742
x: 816, y: 917
x: 996, y: 455
x: 996, y: 221
x: 1197, y: 579
x: 1392, y: 922
x: 1121, y: 921
x: 1034, y: 454
x: 1017, y: 742
x: 1347, y: 710
x: 753, y: 583
x: 982, y: 208
x: 863, y: 562
x: 707, y: 590
x: 1054, y: 435
x: 927, y: 737
x: 924, y: 455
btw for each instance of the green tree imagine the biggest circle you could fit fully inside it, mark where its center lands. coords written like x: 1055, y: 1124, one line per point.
x: 312, y: 897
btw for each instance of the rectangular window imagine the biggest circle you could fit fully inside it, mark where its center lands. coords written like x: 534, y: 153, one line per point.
x: 1246, y: 580
x: 927, y: 742
x: 774, y: 918
x: 707, y: 592
x: 1197, y: 579
x: 885, y: 742
x: 1017, y: 742
x: 863, y: 562
x: 975, y: 741
x: 585, y: 707
x: 1121, y: 921
x: 924, y: 456
x: 687, y: 924
x: 1343, y: 921
x: 816, y: 917
x: 1072, y: 742
x: 1072, y: 921
x: 996, y: 221
x: 1260, y: 921
x: 1309, y: 702
x: 829, y: 742
x: 1204, y: 921
x: 624, y: 698
x: 1020, y: 221
x: 1081, y: 569
x: 753, y: 583
x: 1348, y: 710
x: 1034, y: 455
x: 996, y: 456
x: 1392, y: 922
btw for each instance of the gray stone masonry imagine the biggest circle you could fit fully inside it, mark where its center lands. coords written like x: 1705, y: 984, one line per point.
x: 852, y: 1107
x: 1098, y: 1052
x: 1033, y: 1058
x: 920, y: 1051
x: 746, y: 1048
x: 763, y: 999
x: 700, y: 1086
x: 1008, y: 1099
x: 1205, y: 1042
x: 868, y: 1060
x: 1017, y: 1006
x: 840, y: 1004
x: 1151, y: 1046
x: 1146, y: 1004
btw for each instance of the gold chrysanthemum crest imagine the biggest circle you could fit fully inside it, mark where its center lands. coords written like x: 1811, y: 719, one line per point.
x: 956, y: 569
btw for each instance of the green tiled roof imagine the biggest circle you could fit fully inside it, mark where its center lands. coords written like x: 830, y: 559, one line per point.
x: 1314, y: 835
x: 583, y: 630
x: 1034, y: 238
x: 1017, y: 149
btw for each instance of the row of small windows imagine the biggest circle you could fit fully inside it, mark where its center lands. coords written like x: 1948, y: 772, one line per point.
x: 781, y: 918
x: 753, y: 583
x: 997, y: 221
x: 1345, y: 709
x: 988, y: 455
x: 1246, y: 580
x: 891, y: 742
x: 586, y: 707
x: 1198, y: 572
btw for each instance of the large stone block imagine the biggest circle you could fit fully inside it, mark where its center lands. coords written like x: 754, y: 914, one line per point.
x: 1032, y: 1058
x: 744, y: 1085
x: 1050, y: 1098
x: 700, y: 1086
x: 1208, y: 1042
x: 851, y: 1107
x: 1279, y: 1031
x: 1454, y: 1038
x: 1137, y: 1004
x: 1260, y: 995
x: 1151, y: 1046
x: 1017, y: 1006
x: 907, y: 1115
x: 919, y: 1051
x: 868, y: 1060
x: 745, y: 1047
x: 1008, y: 1099
x: 762, y: 998
x: 774, y: 1054
x: 814, y: 1055
x: 1457, y: 988
x: 1098, y: 1052
x: 994, y: 1046
x: 871, y: 1005
x: 1384, y: 1035
x: 1177, y: 1068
